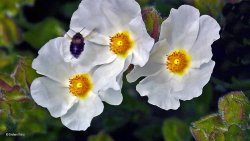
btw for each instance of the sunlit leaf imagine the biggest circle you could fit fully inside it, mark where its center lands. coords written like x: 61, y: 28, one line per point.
x: 9, y: 32
x: 210, y: 123
x: 235, y: 109
x: 23, y: 73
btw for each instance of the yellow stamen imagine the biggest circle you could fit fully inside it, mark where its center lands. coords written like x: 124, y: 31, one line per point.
x: 80, y: 85
x: 178, y: 61
x: 121, y: 44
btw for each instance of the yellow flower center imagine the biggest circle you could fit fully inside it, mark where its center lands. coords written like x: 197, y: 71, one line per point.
x: 80, y: 85
x: 178, y: 61
x: 121, y: 44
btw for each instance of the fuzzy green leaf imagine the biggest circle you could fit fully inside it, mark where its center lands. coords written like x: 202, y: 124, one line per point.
x: 24, y: 74
x: 235, y: 109
x: 210, y: 123
x: 9, y: 32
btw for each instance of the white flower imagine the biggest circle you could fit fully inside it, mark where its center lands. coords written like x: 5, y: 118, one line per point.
x: 118, y: 35
x: 180, y: 63
x: 66, y: 91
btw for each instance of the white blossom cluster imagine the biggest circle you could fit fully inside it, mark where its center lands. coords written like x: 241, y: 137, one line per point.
x: 86, y: 66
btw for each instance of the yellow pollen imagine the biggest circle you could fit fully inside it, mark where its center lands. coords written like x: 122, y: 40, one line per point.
x: 178, y: 61
x: 80, y: 85
x: 121, y: 44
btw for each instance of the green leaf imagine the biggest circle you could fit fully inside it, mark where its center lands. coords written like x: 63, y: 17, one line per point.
x: 199, y: 134
x: 12, y: 7
x: 42, y: 32
x: 209, y: 6
x: 24, y: 74
x: 6, y: 82
x: 217, y: 135
x: 210, y: 123
x: 175, y: 130
x: 235, y: 109
x: 100, y: 137
x: 234, y: 133
x: 3, y: 116
x: 10, y: 34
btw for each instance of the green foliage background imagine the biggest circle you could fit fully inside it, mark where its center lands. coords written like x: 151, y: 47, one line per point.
x: 26, y: 25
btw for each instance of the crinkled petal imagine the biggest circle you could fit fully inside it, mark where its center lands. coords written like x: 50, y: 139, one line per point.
x: 94, y: 55
x: 143, y: 42
x: 155, y: 63
x: 52, y: 95
x: 201, y: 52
x: 157, y: 88
x: 51, y: 63
x: 105, y: 76
x: 80, y: 115
x: 195, y: 81
x: 80, y: 20
x: 65, y: 50
x: 108, y: 16
x: 111, y: 96
x: 181, y: 28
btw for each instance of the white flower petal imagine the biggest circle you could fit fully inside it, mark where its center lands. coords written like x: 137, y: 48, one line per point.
x: 119, y: 11
x: 108, y: 15
x: 155, y: 63
x: 156, y: 87
x: 181, y: 28
x: 143, y: 42
x: 51, y: 95
x: 79, y: 117
x: 105, y: 76
x: 111, y: 96
x: 201, y: 52
x: 164, y: 101
x: 94, y: 55
x: 195, y: 81
x: 49, y: 56
x: 65, y: 50
x: 80, y: 19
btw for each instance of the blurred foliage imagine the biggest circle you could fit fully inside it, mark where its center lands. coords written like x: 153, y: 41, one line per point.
x: 230, y: 124
x: 175, y: 130
x: 9, y: 32
x: 100, y: 137
x: 25, y: 25
x: 42, y: 32
x: 210, y: 7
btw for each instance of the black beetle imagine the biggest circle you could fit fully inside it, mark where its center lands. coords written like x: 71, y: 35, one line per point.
x: 77, y: 45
